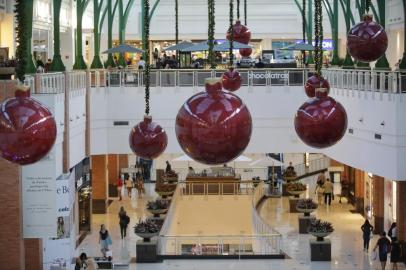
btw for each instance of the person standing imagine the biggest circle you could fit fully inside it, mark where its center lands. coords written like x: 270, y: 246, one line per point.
x: 140, y: 185
x: 168, y: 168
x: 320, y: 193
x: 367, y: 229
x: 321, y: 178
x: 119, y: 187
x: 328, y: 191
x: 124, y: 220
x: 393, y: 232
x: 104, y: 240
x: 384, y: 247
x: 395, y: 253
x: 129, y: 186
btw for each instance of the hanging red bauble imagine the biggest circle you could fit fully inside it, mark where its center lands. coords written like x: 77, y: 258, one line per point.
x: 245, y: 52
x: 148, y: 139
x: 314, y: 82
x: 214, y: 126
x: 321, y: 121
x: 241, y: 33
x: 231, y: 80
x: 367, y: 41
x: 27, y: 128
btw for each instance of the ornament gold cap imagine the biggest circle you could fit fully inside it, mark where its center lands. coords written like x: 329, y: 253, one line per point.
x: 212, y: 81
x: 22, y: 90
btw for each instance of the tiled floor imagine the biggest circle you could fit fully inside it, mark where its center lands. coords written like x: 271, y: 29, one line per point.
x: 347, y: 253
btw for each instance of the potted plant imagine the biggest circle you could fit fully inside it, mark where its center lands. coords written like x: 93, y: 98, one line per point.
x: 146, y: 229
x: 306, y: 206
x: 165, y: 189
x: 157, y: 207
x: 296, y: 188
x: 320, y: 229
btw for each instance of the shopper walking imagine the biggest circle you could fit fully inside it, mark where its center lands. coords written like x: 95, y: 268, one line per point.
x: 119, y: 187
x: 395, y: 254
x: 320, y: 193
x: 321, y: 179
x: 367, y: 229
x: 328, y: 191
x: 393, y: 232
x: 104, y: 240
x: 124, y: 220
x: 384, y: 247
x: 140, y: 185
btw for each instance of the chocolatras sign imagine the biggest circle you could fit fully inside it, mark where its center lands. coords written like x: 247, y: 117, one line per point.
x: 276, y: 78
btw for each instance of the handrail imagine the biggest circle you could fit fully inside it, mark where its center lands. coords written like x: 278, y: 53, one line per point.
x: 217, y: 188
x: 314, y: 166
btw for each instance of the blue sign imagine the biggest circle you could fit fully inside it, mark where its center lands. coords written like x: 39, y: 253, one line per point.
x: 327, y: 44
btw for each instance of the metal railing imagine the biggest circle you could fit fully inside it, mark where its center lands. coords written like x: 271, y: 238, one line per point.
x: 260, y: 226
x: 313, y: 166
x: 258, y: 243
x: 366, y: 80
x: 196, y: 77
x: 217, y: 188
x: 77, y: 80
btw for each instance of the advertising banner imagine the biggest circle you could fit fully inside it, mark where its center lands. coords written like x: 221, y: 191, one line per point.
x: 39, y: 196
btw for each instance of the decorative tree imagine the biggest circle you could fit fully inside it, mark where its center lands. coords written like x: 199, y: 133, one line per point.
x: 122, y: 22
x: 150, y: 15
x: 211, y: 30
x: 57, y: 64
x: 349, y: 19
x: 97, y: 7
x: 80, y: 10
x: 333, y: 13
x: 308, y: 23
x: 22, y: 39
x: 110, y: 11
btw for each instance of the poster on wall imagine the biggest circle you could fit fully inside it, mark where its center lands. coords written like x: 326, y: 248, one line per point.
x: 39, y: 196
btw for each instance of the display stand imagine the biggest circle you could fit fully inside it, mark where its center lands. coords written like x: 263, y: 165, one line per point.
x: 292, y: 204
x: 304, y: 223
x: 320, y: 250
x: 147, y: 252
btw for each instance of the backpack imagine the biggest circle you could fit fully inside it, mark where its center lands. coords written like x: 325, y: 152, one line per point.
x: 386, y: 248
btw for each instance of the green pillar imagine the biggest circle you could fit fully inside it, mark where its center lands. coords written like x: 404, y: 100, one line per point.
x: 30, y: 67
x: 97, y: 5
x: 348, y: 63
x: 80, y: 9
x: 121, y: 31
x: 110, y: 15
x: 57, y: 64
x: 402, y: 65
x: 310, y: 59
x: 336, y: 59
x: 382, y: 62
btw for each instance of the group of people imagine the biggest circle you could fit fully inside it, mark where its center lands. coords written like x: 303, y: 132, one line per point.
x: 384, y: 245
x: 324, y: 188
x: 129, y: 183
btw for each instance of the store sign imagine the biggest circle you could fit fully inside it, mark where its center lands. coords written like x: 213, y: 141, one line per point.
x: 276, y: 78
x: 327, y: 44
x: 39, y: 197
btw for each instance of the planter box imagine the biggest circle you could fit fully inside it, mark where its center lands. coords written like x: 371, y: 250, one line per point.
x: 320, y: 250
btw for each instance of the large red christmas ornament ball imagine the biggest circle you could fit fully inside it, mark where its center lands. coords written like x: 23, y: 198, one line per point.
x: 231, y: 80
x: 321, y: 121
x: 214, y: 126
x: 27, y: 128
x: 314, y: 82
x: 148, y: 139
x: 245, y: 52
x: 367, y: 41
x: 241, y: 33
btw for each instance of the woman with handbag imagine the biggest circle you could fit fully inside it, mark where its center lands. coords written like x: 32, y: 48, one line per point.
x: 320, y: 193
x: 104, y: 240
x: 367, y: 229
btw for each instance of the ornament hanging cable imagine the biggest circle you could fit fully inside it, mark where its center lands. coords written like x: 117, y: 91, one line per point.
x: 318, y: 32
x: 231, y: 32
x: 238, y: 9
x: 367, y: 6
x: 245, y: 12
x: 21, y: 51
x: 146, y: 53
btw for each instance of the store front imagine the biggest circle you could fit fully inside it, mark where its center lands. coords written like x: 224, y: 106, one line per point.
x: 84, y: 195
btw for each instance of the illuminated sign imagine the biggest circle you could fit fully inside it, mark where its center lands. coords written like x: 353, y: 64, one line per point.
x: 327, y: 44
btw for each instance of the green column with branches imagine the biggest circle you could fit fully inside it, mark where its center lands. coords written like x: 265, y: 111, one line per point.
x: 332, y: 12
x: 110, y: 11
x: 382, y: 62
x: 57, y: 64
x: 97, y: 7
x: 122, y: 25
x: 346, y: 7
x: 80, y: 10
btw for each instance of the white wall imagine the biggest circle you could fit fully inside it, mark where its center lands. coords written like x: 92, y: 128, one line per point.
x: 77, y: 126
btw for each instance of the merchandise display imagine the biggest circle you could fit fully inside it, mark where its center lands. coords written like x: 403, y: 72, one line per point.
x: 27, y: 128
x: 367, y: 41
x: 213, y: 127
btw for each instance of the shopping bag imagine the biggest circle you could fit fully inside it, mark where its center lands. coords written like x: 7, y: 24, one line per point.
x: 109, y: 241
x: 373, y: 255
